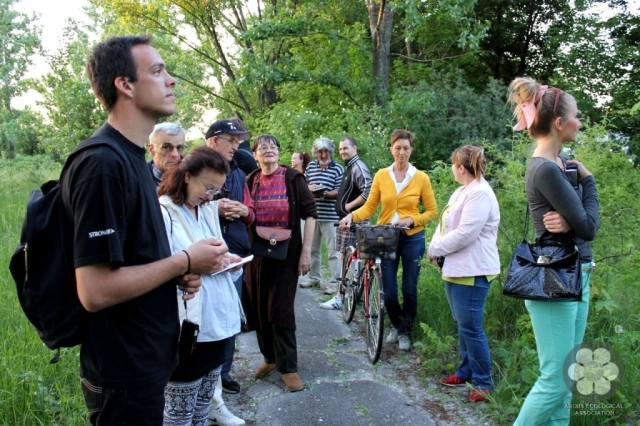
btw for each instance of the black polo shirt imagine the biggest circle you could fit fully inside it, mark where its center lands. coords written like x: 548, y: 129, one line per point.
x: 133, y: 343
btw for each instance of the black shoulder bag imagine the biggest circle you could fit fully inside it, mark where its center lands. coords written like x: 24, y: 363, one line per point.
x: 544, y: 270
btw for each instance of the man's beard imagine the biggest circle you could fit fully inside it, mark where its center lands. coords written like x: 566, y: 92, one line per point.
x: 324, y: 162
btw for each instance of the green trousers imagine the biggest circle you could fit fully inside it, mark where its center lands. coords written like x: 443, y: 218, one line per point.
x: 559, y: 326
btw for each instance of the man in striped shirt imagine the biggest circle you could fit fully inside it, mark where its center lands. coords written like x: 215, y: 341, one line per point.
x: 324, y: 176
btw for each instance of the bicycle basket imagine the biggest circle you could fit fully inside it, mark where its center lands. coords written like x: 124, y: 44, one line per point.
x: 381, y: 240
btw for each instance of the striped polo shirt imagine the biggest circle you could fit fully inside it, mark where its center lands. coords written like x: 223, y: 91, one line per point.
x: 330, y: 178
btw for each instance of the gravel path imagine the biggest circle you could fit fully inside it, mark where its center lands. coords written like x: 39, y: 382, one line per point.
x: 341, y: 386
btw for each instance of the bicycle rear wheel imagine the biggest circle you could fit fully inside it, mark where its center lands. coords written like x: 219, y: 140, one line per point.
x: 349, y: 285
x: 375, y: 316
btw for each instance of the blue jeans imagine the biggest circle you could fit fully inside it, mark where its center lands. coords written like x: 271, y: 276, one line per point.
x: 467, y: 308
x: 411, y: 249
x: 559, y: 326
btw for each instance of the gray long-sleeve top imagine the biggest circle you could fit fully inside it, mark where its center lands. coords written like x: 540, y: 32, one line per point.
x: 548, y: 189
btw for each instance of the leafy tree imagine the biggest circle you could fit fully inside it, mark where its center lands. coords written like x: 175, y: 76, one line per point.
x: 524, y: 37
x: 381, y: 27
x: 625, y: 117
x: 73, y: 111
x: 20, y: 132
x: 19, y: 40
x: 225, y: 37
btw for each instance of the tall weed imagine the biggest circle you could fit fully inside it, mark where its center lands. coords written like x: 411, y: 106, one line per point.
x: 32, y: 391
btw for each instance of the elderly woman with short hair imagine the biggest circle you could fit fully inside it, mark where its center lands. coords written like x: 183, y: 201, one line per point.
x: 281, y: 198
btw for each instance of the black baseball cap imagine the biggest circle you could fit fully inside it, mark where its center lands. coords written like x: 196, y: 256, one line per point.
x: 226, y: 126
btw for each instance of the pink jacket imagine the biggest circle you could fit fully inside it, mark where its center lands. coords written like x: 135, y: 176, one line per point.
x: 469, y: 243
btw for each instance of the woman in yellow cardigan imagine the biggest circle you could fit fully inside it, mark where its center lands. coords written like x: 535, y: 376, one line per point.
x: 400, y: 188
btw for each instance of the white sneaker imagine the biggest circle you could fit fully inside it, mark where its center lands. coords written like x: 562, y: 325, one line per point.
x: 404, y: 342
x: 334, y: 303
x: 392, y: 337
x: 223, y: 417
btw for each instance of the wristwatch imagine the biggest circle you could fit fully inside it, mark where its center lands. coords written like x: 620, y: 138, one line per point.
x: 324, y: 195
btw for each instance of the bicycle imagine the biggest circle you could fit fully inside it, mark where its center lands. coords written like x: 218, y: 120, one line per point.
x: 361, y: 274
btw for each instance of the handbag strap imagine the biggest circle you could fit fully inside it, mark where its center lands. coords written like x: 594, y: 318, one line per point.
x: 526, y: 224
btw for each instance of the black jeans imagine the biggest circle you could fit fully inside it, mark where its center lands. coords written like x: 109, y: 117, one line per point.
x: 140, y: 406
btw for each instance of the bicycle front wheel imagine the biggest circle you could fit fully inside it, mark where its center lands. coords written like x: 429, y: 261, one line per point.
x: 375, y: 316
x: 349, y: 284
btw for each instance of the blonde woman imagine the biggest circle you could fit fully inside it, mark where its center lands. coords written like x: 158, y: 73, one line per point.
x: 466, y: 239
x: 399, y: 189
x: 560, y: 213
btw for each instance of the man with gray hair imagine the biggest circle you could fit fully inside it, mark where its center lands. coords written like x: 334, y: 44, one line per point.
x: 324, y: 176
x: 166, y: 148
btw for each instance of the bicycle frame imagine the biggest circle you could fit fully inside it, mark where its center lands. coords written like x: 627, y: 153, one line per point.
x: 367, y: 266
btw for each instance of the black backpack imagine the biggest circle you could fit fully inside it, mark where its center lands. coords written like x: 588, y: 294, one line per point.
x: 42, y: 264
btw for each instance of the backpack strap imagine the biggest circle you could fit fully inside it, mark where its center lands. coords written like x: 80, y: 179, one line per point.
x: 170, y: 219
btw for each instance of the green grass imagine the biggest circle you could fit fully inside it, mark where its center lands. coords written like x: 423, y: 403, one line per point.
x: 32, y: 391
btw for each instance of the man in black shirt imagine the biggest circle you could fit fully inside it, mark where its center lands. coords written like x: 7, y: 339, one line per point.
x: 354, y: 191
x: 126, y: 276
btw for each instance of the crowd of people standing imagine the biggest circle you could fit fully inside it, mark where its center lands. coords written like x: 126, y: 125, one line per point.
x: 166, y: 298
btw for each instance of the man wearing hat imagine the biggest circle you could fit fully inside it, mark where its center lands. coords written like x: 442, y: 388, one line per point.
x: 235, y: 209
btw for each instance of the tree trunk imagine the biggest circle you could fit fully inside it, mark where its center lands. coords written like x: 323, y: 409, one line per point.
x: 381, y: 25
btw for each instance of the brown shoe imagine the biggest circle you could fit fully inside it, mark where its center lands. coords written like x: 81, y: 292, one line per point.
x: 293, y: 382
x: 264, y: 370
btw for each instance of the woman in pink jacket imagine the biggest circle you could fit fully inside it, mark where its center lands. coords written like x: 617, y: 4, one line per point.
x: 466, y: 240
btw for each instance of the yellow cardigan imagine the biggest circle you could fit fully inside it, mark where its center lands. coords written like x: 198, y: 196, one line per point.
x: 405, y: 203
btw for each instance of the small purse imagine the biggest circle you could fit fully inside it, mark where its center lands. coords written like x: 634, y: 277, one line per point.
x: 272, y: 243
x: 544, y: 271
x: 377, y: 240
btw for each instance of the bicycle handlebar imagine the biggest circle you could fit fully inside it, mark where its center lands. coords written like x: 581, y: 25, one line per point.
x: 354, y: 225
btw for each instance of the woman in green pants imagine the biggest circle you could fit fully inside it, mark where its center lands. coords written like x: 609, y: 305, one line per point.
x: 561, y: 212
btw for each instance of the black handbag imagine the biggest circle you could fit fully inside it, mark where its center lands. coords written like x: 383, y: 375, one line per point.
x: 377, y: 240
x: 272, y: 243
x: 544, y: 270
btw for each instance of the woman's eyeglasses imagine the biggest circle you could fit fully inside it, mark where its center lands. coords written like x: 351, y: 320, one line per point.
x: 263, y: 148
x: 210, y: 191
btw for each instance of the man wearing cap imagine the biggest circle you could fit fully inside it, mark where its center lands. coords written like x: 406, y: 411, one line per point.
x: 235, y: 209
x: 166, y: 148
x: 324, y: 176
